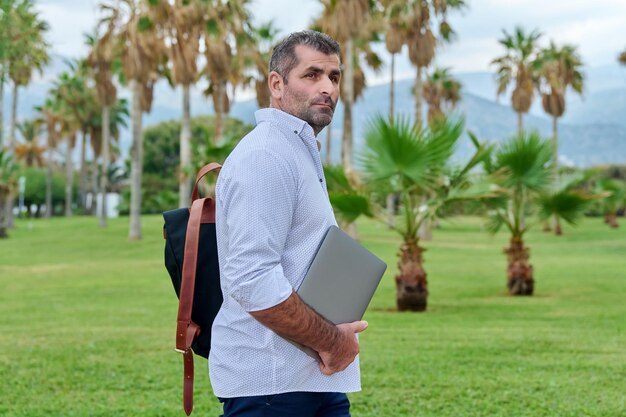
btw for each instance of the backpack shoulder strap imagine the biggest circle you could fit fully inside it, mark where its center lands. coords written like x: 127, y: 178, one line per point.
x: 186, y: 329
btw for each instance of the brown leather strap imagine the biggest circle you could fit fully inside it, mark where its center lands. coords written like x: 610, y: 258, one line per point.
x: 188, y: 383
x: 187, y: 330
x: 201, y: 173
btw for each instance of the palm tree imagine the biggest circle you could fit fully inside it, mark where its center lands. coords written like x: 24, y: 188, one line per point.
x: 183, y: 23
x: 567, y: 201
x: 51, y: 118
x: 100, y: 60
x: 394, y: 41
x: 559, y: 68
x: 230, y: 47
x: 8, y: 181
x: 346, y: 21
x: 412, y: 162
x: 29, y: 150
x: 265, y: 38
x: 27, y: 52
x: 422, y: 41
x: 143, y: 58
x: 614, y: 199
x: 517, y: 65
x: 441, y: 92
x: 520, y: 168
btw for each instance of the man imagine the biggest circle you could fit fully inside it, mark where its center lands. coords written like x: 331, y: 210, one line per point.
x: 272, y: 213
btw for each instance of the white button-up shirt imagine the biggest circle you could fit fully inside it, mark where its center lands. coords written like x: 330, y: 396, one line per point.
x: 272, y: 211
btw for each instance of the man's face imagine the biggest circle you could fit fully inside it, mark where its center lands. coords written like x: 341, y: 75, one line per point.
x: 311, y: 89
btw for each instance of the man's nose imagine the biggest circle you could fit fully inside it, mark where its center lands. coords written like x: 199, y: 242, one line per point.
x: 327, y: 87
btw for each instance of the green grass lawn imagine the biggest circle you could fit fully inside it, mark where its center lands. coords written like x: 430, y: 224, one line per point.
x: 87, y: 323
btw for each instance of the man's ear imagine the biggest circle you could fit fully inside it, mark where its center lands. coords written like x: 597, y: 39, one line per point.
x: 276, y: 85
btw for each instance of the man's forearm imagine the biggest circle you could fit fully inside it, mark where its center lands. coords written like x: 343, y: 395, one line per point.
x: 296, y: 321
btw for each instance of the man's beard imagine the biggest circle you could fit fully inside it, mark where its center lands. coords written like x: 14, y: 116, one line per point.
x: 305, y: 109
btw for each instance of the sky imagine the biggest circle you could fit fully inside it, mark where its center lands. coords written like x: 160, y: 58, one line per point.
x: 598, y: 28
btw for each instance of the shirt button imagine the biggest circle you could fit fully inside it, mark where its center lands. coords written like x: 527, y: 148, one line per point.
x: 295, y: 131
x: 321, y: 180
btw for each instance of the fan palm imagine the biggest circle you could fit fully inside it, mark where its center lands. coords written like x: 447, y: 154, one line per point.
x: 346, y: 21
x: 520, y: 169
x: 517, y: 66
x: 143, y: 55
x: 100, y: 59
x: 230, y: 47
x: 441, y: 92
x: 614, y: 192
x: 412, y: 162
x: 559, y: 68
x: 567, y: 201
x: 29, y: 150
x: 422, y: 41
x: 183, y: 23
x: 27, y: 51
x: 51, y: 118
x: 394, y: 41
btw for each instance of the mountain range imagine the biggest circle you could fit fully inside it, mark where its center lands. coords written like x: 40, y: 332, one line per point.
x: 591, y: 132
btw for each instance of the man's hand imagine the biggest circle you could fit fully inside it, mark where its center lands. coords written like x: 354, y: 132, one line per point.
x: 342, y: 354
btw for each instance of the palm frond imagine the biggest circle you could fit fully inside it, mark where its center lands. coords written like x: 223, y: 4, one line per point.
x: 567, y: 205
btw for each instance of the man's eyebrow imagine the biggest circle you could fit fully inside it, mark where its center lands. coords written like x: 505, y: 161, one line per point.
x: 318, y: 70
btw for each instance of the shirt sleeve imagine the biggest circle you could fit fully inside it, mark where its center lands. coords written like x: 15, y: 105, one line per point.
x: 258, y: 201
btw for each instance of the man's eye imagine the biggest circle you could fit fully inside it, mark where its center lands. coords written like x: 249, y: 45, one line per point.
x: 311, y: 75
x: 334, y: 78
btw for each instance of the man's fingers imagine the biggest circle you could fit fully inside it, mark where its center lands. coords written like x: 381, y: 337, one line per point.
x: 359, y: 326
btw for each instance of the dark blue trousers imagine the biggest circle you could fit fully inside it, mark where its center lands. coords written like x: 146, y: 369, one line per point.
x: 291, y: 404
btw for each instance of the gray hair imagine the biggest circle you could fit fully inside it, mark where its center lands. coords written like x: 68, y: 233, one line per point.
x: 284, y: 57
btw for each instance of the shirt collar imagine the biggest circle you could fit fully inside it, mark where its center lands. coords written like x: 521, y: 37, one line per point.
x: 287, y: 121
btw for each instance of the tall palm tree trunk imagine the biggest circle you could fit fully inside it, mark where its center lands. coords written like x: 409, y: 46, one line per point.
x: 136, y: 170
x: 104, y: 154
x: 411, y: 284
x: 219, y: 113
x: 49, y: 207
x: 69, y: 174
x: 184, y: 188
x: 4, y: 194
x: 12, y: 139
x: 10, y: 199
x: 82, y: 185
x: 419, y: 93
x: 555, y: 149
x: 346, y: 143
x: 519, y: 271
x: 392, y: 87
x: 2, y: 77
x: 520, y: 126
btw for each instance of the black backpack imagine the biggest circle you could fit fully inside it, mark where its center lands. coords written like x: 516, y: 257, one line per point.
x: 192, y: 263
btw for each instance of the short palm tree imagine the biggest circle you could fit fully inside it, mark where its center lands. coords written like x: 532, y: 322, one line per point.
x: 517, y: 66
x: 567, y: 200
x: 614, y: 192
x: 520, y: 168
x: 413, y: 163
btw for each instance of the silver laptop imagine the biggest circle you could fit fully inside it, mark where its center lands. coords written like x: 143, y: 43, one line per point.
x: 342, y: 278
